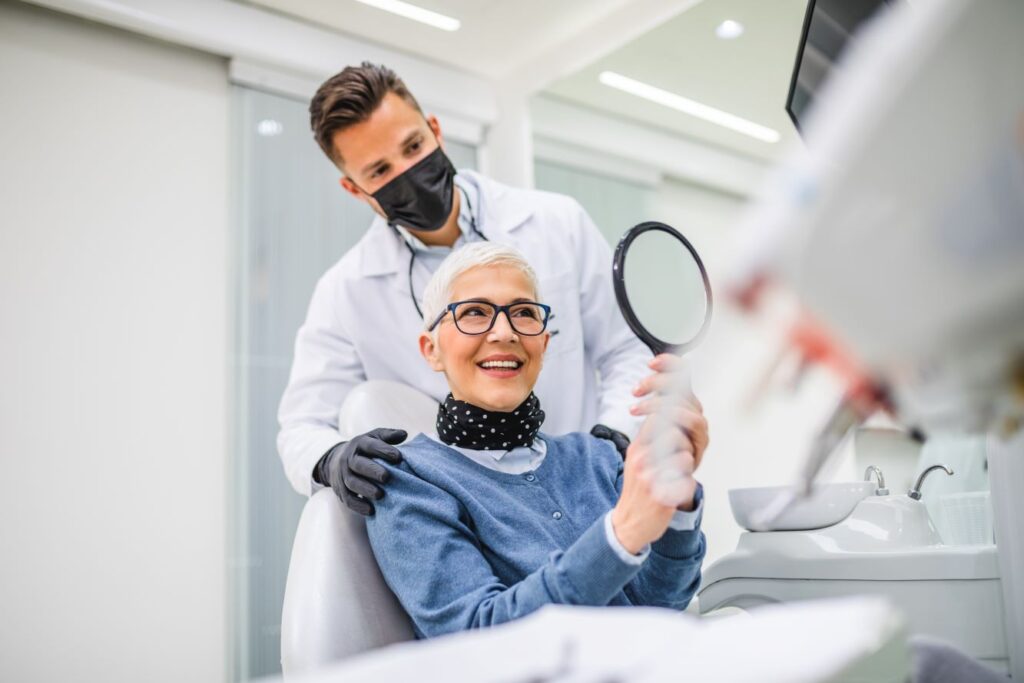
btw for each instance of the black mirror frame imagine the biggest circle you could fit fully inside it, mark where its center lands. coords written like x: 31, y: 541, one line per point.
x: 619, y: 281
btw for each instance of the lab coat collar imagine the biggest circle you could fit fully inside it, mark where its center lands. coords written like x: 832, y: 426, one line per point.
x: 500, y: 213
x: 382, y: 249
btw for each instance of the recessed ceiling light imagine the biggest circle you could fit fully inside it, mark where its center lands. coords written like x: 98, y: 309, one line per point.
x: 688, y: 106
x: 424, y: 16
x: 269, y: 128
x: 729, y: 29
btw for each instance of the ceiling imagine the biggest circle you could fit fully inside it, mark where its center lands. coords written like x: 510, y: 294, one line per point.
x: 747, y: 76
x: 495, y: 36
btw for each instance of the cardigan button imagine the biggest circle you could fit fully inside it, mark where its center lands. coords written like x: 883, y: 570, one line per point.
x: 556, y: 514
x: 530, y: 477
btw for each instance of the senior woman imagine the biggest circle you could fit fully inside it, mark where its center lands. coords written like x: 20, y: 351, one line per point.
x: 489, y: 519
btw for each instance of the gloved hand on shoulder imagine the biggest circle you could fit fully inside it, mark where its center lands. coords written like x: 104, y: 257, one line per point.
x: 620, y: 440
x: 349, y: 468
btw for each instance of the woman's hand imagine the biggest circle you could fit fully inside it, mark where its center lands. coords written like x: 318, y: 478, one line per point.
x: 642, y: 514
x: 669, y: 369
x: 639, y: 517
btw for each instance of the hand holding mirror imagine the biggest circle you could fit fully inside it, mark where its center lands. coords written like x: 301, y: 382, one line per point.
x: 664, y: 294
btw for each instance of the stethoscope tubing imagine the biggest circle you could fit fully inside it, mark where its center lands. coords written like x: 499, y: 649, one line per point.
x: 412, y: 252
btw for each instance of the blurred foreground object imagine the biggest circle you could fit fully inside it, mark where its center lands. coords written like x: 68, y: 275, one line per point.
x: 837, y: 640
x: 900, y: 232
x: 901, y: 228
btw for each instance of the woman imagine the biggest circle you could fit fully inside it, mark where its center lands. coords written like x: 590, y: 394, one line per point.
x: 489, y: 519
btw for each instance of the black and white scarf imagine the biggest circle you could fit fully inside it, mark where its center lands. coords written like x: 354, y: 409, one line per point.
x: 464, y: 424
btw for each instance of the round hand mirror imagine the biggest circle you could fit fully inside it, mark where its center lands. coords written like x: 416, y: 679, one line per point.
x: 662, y: 288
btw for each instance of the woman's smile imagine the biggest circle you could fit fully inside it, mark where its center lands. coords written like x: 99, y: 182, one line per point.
x: 501, y: 365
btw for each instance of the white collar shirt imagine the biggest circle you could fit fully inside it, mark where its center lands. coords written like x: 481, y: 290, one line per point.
x: 513, y: 461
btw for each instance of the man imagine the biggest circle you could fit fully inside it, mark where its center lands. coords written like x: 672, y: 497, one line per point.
x: 366, y: 309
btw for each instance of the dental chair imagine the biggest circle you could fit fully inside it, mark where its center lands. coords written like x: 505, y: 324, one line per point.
x: 336, y: 603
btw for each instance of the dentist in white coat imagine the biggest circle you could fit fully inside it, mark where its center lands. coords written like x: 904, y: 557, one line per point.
x: 364, y: 317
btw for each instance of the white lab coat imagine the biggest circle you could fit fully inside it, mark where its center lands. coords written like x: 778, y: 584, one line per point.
x: 362, y: 325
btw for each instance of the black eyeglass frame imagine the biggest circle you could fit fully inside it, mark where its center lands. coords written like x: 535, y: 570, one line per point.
x: 655, y: 344
x: 498, y: 310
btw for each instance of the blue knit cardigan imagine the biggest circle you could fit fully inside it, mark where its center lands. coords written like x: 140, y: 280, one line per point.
x: 464, y: 546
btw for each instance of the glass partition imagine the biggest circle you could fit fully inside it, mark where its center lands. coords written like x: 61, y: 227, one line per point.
x: 615, y: 205
x: 293, y: 222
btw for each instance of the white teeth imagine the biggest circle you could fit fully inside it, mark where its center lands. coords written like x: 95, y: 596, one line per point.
x: 503, y: 364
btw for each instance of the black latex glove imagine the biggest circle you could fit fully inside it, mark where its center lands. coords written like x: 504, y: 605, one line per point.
x: 349, y: 468
x: 620, y: 440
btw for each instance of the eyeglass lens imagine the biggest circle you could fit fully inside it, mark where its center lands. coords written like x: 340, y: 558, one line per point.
x: 476, y: 318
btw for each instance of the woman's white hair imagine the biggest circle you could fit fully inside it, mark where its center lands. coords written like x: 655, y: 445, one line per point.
x: 439, y: 290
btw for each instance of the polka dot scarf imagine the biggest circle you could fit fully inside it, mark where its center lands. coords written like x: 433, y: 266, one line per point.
x: 463, y: 424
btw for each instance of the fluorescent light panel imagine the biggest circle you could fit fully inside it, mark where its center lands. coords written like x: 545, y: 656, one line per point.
x: 729, y: 29
x: 424, y: 16
x: 688, y: 106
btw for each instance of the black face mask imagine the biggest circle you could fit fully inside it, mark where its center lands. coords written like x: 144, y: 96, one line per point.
x: 421, y: 198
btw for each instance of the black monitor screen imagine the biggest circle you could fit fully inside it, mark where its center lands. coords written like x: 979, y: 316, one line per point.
x: 828, y: 27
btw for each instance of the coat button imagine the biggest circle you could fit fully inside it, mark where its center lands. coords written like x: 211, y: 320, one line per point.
x: 530, y: 477
x: 556, y: 514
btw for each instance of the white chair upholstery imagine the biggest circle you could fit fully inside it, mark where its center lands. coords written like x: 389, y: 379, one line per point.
x: 336, y: 603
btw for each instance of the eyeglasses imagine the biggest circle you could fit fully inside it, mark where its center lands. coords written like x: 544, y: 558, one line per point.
x: 527, y: 318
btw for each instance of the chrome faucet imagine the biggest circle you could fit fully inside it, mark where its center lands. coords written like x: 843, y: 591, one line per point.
x: 881, y: 490
x: 915, y: 492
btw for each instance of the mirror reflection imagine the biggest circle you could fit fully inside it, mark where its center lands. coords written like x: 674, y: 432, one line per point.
x: 665, y: 287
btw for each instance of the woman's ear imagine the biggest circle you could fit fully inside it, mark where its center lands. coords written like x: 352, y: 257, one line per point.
x: 430, y: 351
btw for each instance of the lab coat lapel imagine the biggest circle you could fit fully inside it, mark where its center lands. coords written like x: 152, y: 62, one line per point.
x: 382, y: 250
x: 501, y: 210
x: 382, y: 253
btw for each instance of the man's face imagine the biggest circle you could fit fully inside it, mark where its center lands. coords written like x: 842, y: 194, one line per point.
x: 381, y: 148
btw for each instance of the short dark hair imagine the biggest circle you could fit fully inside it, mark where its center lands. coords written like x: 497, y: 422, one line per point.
x: 349, y: 97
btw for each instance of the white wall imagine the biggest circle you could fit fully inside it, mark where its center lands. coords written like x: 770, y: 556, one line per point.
x: 114, y: 314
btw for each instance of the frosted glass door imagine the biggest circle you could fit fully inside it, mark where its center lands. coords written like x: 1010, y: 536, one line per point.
x: 294, y: 222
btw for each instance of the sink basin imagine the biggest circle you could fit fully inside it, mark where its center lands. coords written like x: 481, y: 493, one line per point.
x: 829, y: 504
